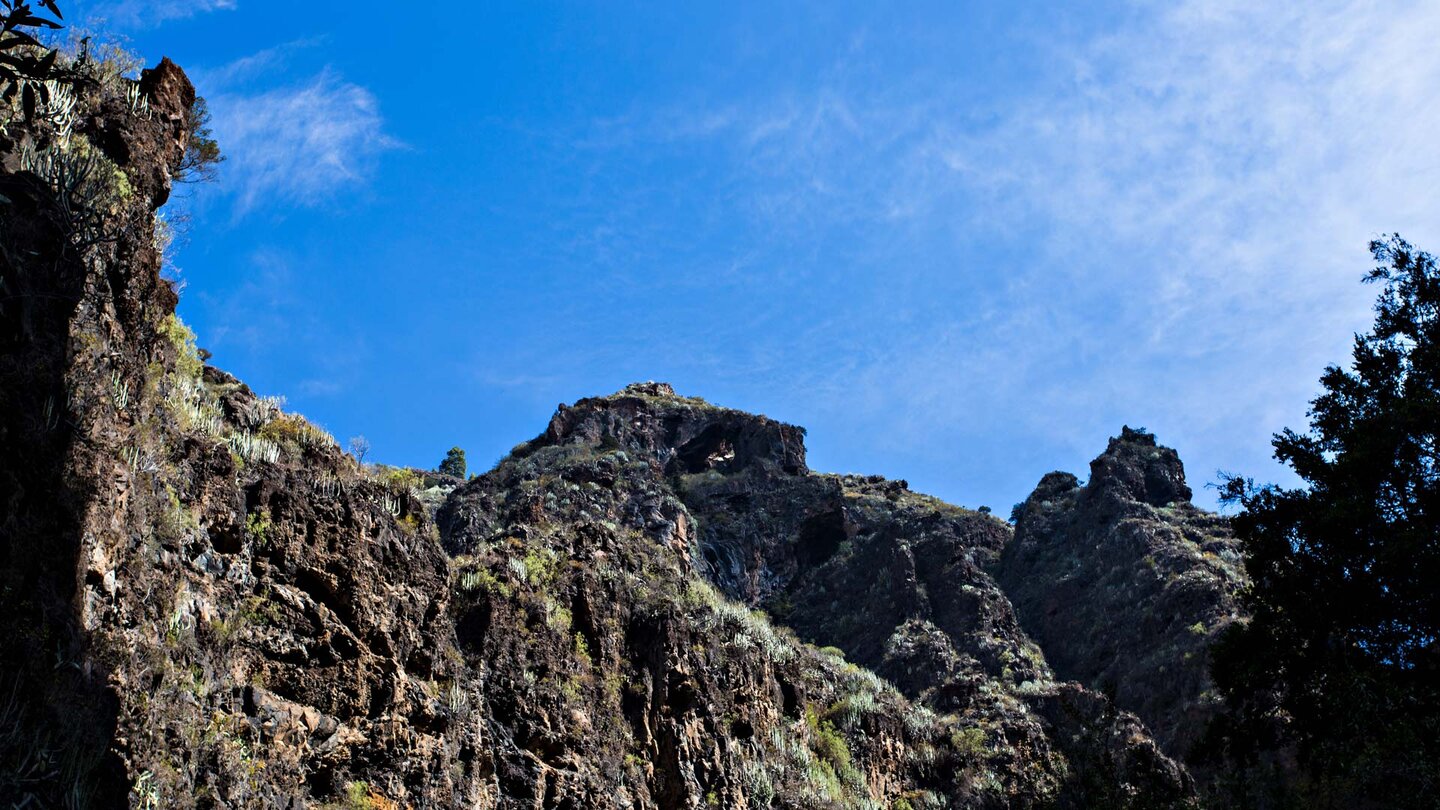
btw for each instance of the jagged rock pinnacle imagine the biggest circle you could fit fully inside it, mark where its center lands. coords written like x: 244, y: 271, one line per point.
x: 649, y: 389
x: 1123, y: 582
x: 1134, y: 467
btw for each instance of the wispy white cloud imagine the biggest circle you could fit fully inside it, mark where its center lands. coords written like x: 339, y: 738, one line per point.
x: 255, y: 66
x: 1179, y: 214
x: 299, y: 143
x: 150, y: 13
x: 1207, y: 182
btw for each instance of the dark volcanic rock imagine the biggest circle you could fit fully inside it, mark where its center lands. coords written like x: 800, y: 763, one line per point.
x: 205, y: 603
x: 1124, y: 584
x: 895, y: 578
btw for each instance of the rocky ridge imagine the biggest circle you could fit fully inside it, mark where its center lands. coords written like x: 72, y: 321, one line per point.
x: 654, y: 603
x: 1125, y: 583
x: 727, y: 500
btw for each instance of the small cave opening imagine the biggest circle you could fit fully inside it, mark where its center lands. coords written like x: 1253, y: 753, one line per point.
x: 634, y: 704
x: 714, y: 447
x: 820, y: 537
x: 584, y: 620
x: 789, y: 700
x: 472, y: 625
x: 712, y: 561
x: 227, y: 538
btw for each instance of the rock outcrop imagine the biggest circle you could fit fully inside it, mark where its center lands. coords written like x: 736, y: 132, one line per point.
x: 1125, y: 583
x: 205, y: 602
x: 713, y: 510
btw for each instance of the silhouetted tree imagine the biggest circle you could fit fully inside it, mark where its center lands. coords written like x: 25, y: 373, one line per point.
x: 454, y: 463
x: 24, y: 62
x: 1340, y: 659
x: 202, y: 152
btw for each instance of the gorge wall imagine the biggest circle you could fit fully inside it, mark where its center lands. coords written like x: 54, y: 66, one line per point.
x: 654, y: 603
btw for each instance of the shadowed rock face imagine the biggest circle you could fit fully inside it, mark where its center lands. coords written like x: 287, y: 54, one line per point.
x: 204, y: 602
x: 1134, y: 468
x: 895, y: 579
x: 1124, y: 584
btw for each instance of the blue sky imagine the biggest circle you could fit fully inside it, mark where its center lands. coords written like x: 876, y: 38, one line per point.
x: 961, y: 242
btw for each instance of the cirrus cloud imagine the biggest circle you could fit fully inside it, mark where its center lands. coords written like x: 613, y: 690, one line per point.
x: 1171, y: 225
x: 151, y: 13
x: 299, y: 144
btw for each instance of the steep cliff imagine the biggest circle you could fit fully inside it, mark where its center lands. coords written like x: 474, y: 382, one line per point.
x: 1125, y: 583
x: 205, y: 602
x: 654, y: 603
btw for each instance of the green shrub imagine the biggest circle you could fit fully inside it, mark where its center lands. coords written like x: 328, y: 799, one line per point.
x: 834, y: 766
x: 830, y: 746
x: 969, y: 742
x: 398, y: 479
x: 257, y: 525
x: 357, y: 796
x: 481, y: 579
x: 539, y: 568
x: 187, y: 357
x: 295, y: 430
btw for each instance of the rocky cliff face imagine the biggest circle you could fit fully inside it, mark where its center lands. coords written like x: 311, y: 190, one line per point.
x: 205, y: 602
x: 653, y: 604
x: 639, y: 532
x: 1124, y: 583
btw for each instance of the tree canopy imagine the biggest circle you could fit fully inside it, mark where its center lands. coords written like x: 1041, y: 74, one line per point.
x: 454, y: 463
x: 1340, y: 658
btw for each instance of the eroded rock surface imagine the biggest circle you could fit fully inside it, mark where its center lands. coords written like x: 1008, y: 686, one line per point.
x: 206, y: 603
x: 1124, y: 583
x: 724, y: 508
x: 653, y: 604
